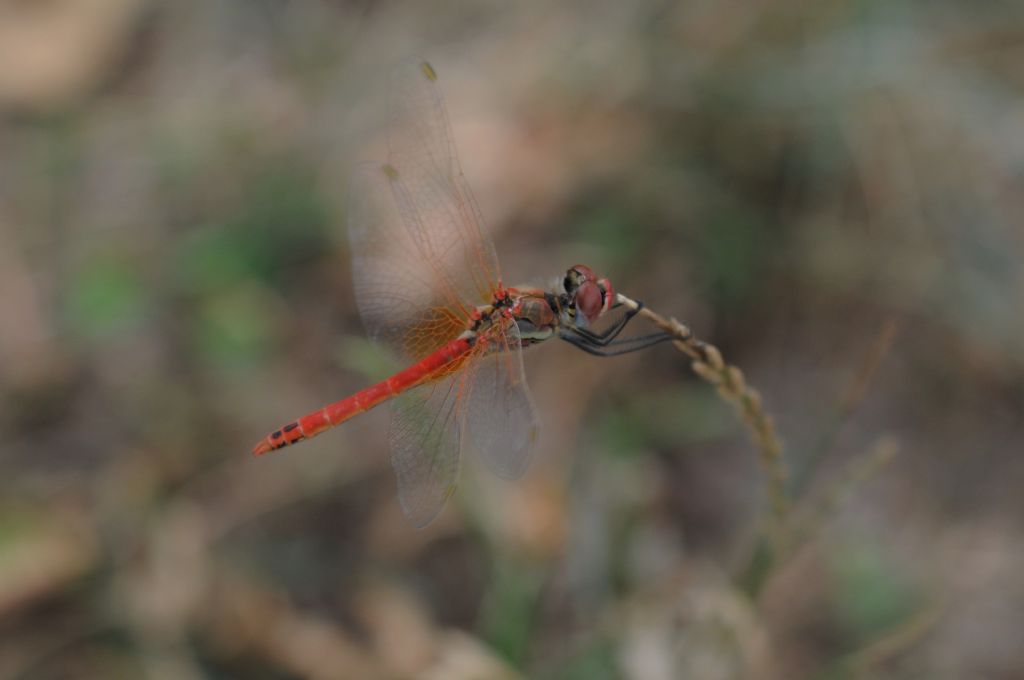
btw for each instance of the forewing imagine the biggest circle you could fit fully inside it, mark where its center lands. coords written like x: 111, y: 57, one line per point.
x: 425, y: 443
x: 501, y: 419
x: 396, y: 289
x: 420, y: 254
x: 422, y: 149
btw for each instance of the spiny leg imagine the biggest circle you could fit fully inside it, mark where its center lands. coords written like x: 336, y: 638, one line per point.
x: 611, y: 349
x: 606, y: 336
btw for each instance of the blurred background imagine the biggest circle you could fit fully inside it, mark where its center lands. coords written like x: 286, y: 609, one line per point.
x: 830, y: 192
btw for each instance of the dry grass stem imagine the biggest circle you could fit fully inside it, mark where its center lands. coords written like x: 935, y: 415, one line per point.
x: 859, y: 470
x: 879, y: 350
x: 853, y: 397
x: 866, y: 662
x: 731, y: 386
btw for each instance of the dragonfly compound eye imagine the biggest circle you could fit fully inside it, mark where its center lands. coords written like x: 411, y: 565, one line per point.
x: 590, y: 300
x: 577, y: 276
x: 607, y: 294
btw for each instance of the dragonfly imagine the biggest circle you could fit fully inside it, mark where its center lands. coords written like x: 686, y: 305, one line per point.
x: 428, y: 288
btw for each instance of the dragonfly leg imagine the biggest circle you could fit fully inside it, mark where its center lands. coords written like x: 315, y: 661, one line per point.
x: 606, y: 336
x: 611, y: 349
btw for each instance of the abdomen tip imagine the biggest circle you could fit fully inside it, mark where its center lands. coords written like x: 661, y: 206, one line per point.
x: 261, y: 448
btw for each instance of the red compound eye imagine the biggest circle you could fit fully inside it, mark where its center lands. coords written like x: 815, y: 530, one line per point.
x: 589, y: 300
x: 585, y: 273
x: 607, y: 293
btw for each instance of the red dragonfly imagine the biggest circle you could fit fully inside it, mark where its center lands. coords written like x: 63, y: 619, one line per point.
x: 428, y: 287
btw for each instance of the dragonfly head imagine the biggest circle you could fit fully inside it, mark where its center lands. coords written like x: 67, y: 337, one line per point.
x: 588, y: 294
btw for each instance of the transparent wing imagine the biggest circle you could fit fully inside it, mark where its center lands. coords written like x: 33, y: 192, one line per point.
x: 396, y: 290
x: 501, y: 420
x: 425, y: 443
x: 421, y: 264
x: 421, y: 259
x: 421, y: 147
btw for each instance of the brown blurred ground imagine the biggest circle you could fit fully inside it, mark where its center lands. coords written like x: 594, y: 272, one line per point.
x: 788, y: 178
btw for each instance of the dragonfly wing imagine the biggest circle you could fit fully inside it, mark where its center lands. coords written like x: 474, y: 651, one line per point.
x: 425, y: 442
x: 421, y: 259
x: 396, y: 291
x: 501, y: 419
x: 421, y: 147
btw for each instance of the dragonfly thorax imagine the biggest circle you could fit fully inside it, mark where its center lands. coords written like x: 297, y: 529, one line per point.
x: 536, y: 316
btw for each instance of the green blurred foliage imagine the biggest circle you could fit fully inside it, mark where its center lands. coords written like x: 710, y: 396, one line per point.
x: 735, y: 250
x: 664, y: 418
x: 509, y: 611
x: 235, y: 326
x: 107, y: 295
x: 280, y: 223
x: 872, y: 595
x: 596, y: 662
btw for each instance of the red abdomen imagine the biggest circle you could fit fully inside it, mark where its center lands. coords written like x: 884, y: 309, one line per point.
x: 327, y: 417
